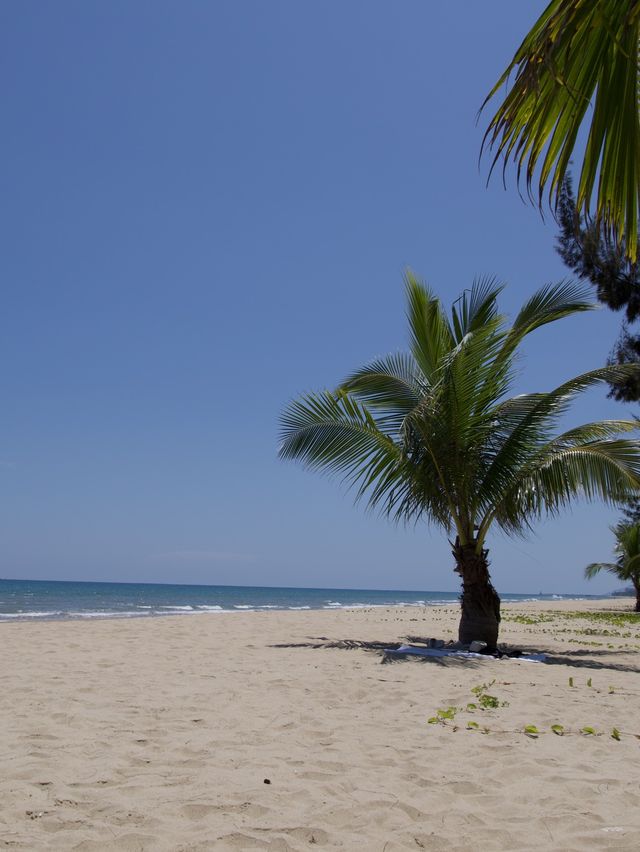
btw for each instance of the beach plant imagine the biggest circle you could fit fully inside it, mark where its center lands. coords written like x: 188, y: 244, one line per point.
x: 443, y: 716
x: 486, y: 701
x: 433, y: 434
x: 627, y: 565
x: 577, y: 68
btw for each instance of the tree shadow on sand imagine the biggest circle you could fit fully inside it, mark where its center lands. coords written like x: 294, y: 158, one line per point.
x: 584, y: 659
x: 343, y: 644
x: 381, y: 649
x: 580, y: 658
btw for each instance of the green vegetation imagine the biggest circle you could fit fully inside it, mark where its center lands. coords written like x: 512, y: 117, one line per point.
x: 614, y: 619
x: 530, y: 619
x: 578, y: 54
x: 486, y: 701
x: 616, y: 282
x: 580, y: 626
x: 618, y: 625
x: 433, y: 434
x: 447, y: 717
x: 442, y: 716
x: 627, y: 565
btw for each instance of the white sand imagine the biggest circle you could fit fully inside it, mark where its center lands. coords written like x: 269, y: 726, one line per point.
x: 157, y: 734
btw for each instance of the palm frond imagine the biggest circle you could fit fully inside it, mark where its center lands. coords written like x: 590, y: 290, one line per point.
x: 604, y: 470
x: 476, y: 307
x: 577, y: 54
x: 431, y: 337
x: 392, y: 386
x: 524, y: 424
x: 549, y: 304
x: 627, y: 565
x: 595, y: 567
x: 337, y: 434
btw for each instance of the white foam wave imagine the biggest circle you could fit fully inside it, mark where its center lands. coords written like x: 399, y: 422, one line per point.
x: 105, y: 614
x: 29, y: 614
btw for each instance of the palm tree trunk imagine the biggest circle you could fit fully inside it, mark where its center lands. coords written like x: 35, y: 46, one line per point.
x: 636, y: 586
x: 480, y: 603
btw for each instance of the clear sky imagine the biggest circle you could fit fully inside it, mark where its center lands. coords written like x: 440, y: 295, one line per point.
x: 207, y: 208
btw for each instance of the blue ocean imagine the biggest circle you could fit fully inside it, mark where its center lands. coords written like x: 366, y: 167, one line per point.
x: 56, y: 599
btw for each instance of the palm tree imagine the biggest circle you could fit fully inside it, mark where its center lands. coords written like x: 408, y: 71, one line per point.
x: 432, y: 433
x: 627, y: 565
x: 579, y: 54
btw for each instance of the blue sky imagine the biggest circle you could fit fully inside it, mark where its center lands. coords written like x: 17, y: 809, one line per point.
x: 208, y: 209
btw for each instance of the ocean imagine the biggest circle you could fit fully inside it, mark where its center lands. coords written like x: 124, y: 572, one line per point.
x: 58, y: 599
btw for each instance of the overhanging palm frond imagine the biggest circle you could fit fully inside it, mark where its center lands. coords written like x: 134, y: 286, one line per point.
x: 595, y: 567
x: 579, y: 53
x: 605, y: 470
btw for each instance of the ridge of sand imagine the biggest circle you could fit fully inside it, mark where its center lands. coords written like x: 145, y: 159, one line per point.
x: 158, y: 734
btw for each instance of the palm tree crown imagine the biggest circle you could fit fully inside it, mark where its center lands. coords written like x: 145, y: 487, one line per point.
x: 627, y: 565
x: 433, y: 434
x: 580, y: 57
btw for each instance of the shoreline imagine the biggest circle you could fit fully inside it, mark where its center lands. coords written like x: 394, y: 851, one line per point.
x: 95, y: 615
x: 160, y: 733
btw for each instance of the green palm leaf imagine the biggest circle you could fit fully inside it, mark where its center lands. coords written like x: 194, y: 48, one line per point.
x: 595, y: 567
x: 580, y: 55
x: 605, y: 470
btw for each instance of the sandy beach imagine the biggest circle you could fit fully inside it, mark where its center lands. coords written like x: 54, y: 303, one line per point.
x: 282, y: 731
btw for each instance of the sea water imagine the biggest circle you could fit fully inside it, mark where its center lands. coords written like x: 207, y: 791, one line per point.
x: 56, y: 599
